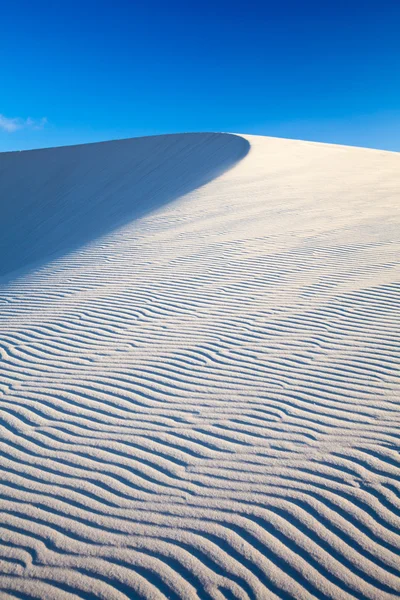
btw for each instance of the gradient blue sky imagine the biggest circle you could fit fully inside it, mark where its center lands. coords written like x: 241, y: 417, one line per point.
x: 94, y: 70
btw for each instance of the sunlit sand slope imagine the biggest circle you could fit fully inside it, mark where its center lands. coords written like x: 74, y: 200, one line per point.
x: 200, y: 397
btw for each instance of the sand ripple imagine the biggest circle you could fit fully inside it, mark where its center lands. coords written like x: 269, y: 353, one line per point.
x: 203, y: 403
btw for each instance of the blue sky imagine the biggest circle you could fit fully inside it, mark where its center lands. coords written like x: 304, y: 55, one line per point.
x: 74, y: 72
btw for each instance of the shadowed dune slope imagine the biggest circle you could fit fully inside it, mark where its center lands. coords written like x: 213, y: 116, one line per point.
x: 57, y: 199
x: 202, y: 403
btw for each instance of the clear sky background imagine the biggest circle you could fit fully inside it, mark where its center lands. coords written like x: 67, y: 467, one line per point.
x: 74, y: 72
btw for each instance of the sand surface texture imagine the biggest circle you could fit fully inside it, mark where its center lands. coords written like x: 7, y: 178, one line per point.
x: 199, y: 376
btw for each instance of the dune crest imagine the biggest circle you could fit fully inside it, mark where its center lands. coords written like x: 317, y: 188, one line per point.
x: 202, y: 402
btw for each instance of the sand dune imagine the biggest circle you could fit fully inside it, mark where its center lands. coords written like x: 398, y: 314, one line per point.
x: 199, y: 374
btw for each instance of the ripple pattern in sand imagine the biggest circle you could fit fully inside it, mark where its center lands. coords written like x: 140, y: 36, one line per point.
x: 204, y: 403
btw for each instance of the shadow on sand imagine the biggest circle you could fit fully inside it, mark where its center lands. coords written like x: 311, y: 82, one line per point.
x: 55, y: 200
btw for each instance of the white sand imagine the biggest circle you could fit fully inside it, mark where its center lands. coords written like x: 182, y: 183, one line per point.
x: 199, y: 380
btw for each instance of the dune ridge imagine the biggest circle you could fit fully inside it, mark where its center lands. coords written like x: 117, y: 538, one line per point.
x: 202, y: 402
